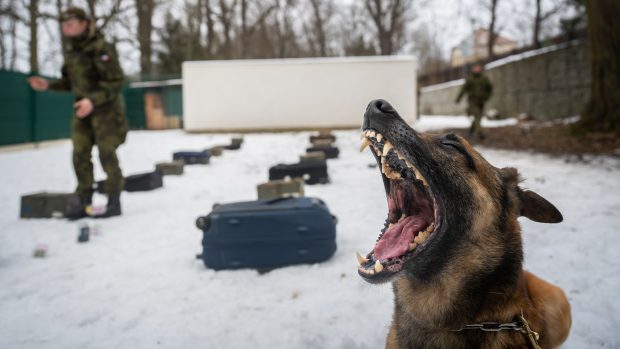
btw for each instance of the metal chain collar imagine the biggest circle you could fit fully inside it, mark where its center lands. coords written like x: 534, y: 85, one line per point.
x: 521, y: 326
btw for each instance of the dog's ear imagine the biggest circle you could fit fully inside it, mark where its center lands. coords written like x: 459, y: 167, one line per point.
x: 537, y: 208
x: 533, y: 206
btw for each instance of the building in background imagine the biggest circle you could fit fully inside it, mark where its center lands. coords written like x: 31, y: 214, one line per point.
x: 474, y: 48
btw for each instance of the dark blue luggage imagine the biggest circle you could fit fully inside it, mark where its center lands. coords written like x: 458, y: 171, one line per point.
x: 192, y: 157
x: 267, y: 234
x: 138, y: 182
x: 312, y: 172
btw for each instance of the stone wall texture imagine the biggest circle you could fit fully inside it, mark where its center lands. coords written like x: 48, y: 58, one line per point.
x: 545, y: 84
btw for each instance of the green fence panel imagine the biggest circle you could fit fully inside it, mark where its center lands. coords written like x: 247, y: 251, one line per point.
x: 15, y: 108
x: 29, y: 116
x: 134, y: 107
x: 53, y: 112
x: 173, y: 100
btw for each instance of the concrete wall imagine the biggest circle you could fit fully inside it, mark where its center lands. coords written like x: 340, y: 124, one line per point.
x: 270, y: 94
x: 549, y: 83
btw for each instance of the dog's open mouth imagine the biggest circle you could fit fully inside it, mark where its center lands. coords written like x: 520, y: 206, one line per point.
x: 412, y: 212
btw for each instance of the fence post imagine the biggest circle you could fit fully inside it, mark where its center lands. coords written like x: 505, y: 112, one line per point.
x: 32, y: 111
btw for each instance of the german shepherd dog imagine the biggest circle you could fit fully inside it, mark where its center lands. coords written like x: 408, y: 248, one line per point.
x: 452, y: 245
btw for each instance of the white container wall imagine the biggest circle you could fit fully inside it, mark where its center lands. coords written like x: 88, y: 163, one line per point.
x: 246, y: 95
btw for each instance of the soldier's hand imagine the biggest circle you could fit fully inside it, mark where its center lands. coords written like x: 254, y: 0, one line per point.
x: 83, y: 107
x: 38, y: 83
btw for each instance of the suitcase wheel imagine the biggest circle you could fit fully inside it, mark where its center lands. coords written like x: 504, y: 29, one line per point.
x: 202, y: 223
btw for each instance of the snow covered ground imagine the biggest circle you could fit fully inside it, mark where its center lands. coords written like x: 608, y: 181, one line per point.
x: 138, y: 284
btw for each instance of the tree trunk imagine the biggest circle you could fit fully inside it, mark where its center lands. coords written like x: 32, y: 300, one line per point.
x: 60, y: 6
x: 602, y: 111
x: 33, y: 14
x: 319, y: 26
x: 145, y: 9
x: 537, y: 20
x: 210, y: 30
x: 492, y: 34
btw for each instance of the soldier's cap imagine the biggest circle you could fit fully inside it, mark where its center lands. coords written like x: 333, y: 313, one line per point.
x: 74, y: 12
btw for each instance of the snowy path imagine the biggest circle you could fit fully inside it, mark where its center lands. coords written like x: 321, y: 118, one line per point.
x: 139, y: 286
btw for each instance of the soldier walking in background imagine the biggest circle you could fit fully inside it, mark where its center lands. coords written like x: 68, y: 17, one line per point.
x: 92, y: 72
x: 478, y: 89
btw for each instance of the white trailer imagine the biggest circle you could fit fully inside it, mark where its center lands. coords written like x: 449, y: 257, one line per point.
x: 293, y: 94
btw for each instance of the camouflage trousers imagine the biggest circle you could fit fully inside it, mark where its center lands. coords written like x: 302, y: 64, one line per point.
x: 475, y: 130
x: 107, y: 131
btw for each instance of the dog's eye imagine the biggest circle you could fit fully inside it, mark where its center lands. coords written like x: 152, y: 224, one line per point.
x: 452, y: 144
x: 456, y: 145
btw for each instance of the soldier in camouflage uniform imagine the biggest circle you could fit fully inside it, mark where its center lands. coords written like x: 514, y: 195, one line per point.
x: 478, y: 89
x: 92, y: 72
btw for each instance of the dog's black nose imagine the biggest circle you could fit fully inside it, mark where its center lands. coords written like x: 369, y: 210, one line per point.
x: 379, y: 113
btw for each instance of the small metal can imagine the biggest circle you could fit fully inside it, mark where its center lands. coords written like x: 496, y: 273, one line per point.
x: 84, y: 232
x: 40, y: 251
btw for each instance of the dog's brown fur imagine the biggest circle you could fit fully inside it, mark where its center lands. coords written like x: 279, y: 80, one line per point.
x: 474, y: 273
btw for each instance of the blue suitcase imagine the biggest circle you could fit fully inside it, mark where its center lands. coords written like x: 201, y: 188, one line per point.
x: 267, y: 234
x: 192, y: 157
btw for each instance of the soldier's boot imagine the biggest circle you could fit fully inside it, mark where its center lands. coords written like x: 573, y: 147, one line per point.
x: 78, y: 208
x: 113, y: 208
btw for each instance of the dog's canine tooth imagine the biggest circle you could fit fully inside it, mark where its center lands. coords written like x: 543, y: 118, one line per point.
x: 365, y: 143
x: 378, y: 267
x: 372, y: 133
x: 379, y: 137
x: 386, y: 148
x: 360, y: 259
x: 420, y: 177
x: 412, y: 246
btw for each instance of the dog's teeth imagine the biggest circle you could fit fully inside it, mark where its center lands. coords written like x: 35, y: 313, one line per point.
x: 421, y: 237
x: 379, y: 137
x: 430, y: 228
x: 372, y: 133
x: 412, y: 246
x: 360, y: 259
x: 419, y: 176
x: 390, y: 225
x: 386, y: 148
x: 365, y: 143
x: 378, y: 267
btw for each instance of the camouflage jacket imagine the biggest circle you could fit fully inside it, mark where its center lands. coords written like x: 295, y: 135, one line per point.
x: 91, y: 70
x: 478, y: 89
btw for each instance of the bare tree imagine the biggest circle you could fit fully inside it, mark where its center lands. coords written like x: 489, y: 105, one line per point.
x: 248, y: 29
x: 33, y: 13
x: 211, y: 35
x: 541, y: 17
x: 602, y: 112
x: 389, y: 18
x: 226, y: 16
x: 492, y: 6
x: 317, y: 32
x: 145, y: 10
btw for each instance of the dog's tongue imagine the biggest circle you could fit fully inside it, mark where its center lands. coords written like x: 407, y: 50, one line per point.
x: 395, y: 241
